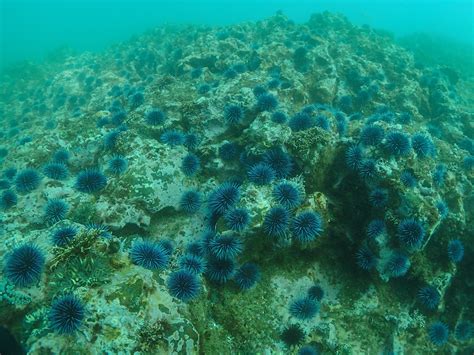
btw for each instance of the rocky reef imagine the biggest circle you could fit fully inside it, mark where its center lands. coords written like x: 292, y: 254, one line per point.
x: 265, y: 187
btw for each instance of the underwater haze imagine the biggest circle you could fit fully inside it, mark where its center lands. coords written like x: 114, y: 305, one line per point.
x: 236, y: 177
x: 31, y: 29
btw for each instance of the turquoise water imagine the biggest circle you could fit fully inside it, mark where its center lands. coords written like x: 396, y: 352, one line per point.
x: 236, y: 177
x: 31, y: 29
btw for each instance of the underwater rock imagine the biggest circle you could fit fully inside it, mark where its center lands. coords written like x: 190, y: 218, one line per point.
x: 279, y: 157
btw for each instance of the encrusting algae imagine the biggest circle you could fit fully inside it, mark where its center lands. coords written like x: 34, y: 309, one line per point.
x: 265, y: 187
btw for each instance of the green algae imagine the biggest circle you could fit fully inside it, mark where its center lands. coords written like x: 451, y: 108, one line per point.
x: 152, y: 338
x: 250, y: 318
x: 131, y: 294
x: 84, y: 213
x: 92, y: 270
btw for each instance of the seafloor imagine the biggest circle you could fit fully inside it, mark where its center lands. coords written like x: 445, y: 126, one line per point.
x: 262, y: 188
